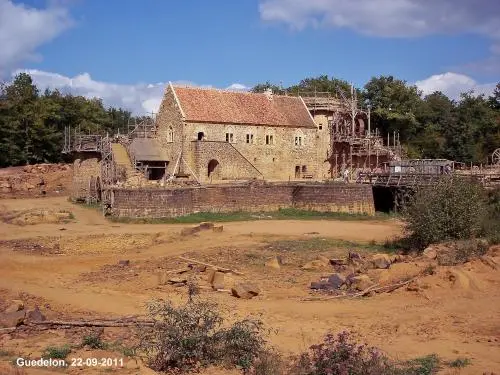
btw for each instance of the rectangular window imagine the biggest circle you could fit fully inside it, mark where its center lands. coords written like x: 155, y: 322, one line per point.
x: 229, y: 137
x: 298, y: 141
x: 269, y: 140
x: 250, y: 138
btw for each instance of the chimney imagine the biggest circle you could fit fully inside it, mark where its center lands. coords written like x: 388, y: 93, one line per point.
x: 268, y: 93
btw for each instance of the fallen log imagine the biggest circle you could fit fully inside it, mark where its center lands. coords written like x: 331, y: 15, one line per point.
x: 220, y: 269
x: 59, y: 323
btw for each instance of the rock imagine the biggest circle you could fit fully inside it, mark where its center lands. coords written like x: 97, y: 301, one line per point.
x: 35, y: 315
x: 324, y: 260
x: 190, y: 231
x: 361, y: 282
x: 12, y: 319
x: 320, y: 285
x: 218, y: 229
x: 206, y: 226
x: 199, y: 268
x: 124, y: 263
x: 16, y: 305
x: 397, y: 258
x: 430, y: 253
x: 245, y: 291
x: 336, y: 280
x: 177, y: 280
x: 218, y: 281
x: 313, y: 265
x: 353, y: 255
x: 381, y: 261
x: 338, y: 262
x: 273, y: 263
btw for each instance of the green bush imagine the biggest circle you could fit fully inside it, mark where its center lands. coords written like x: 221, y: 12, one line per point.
x: 56, y: 352
x: 93, y: 341
x: 192, y: 336
x: 452, y: 209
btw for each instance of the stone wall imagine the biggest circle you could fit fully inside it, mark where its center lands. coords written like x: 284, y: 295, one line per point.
x: 252, y: 197
x: 83, y: 172
x: 276, y: 161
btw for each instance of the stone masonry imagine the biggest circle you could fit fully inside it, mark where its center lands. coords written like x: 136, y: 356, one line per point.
x: 252, y: 197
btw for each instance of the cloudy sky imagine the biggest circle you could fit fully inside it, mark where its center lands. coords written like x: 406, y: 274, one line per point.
x: 124, y: 51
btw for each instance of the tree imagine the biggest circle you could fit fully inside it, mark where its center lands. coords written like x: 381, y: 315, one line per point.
x: 322, y: 84
x: 394, y: 104
x: 261, y: 87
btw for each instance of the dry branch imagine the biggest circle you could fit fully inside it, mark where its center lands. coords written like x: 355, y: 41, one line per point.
x: 220, y: 269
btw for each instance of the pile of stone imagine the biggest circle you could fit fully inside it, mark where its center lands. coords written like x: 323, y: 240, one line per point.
x: 46, y: 168
x: 349, y: 276
x: 202, y: 227
x: 17, y: 314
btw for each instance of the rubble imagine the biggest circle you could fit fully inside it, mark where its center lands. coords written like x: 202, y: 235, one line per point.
x: 275, y: 262
x: 381, y: 261
x: 245, y: 291
x: 16, y: 305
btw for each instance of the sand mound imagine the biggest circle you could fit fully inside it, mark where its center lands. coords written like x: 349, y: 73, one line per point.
x: 35, y: 216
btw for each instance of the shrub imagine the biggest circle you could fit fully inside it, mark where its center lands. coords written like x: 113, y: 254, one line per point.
x: 56, y: 352
x: 454, y: 208
x: 93, y: 341
x: 459, y: 363
x: 459, y: 252
x: 268, y: 362
x: 192, y: 336
x: 341, y: 355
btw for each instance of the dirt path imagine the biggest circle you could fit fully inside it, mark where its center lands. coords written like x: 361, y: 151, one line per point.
x: 459, y: 321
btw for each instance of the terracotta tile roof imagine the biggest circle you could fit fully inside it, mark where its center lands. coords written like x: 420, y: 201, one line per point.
x: 229, y: 107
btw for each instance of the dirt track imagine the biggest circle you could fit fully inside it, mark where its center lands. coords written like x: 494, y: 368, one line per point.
x: 82, y: 279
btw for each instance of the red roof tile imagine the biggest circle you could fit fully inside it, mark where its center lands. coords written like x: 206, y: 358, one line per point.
x: 228, y: 107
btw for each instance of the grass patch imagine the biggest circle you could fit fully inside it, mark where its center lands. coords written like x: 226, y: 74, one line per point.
x: 56, y: 352
x: 282, y: 214
x: 6, y: 353
x: 459, y: 363
x: 428, y: 365
x: 321, y: 244
x: 94, y: 342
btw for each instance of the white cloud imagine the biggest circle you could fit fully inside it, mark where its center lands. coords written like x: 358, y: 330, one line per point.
x: 238, y: 87
x: 453, y: 84
x: 24, y: 29
x: 139, y: 98
x: 394, y: 18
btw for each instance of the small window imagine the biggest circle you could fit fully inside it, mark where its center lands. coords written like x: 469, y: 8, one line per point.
x: 298, y: 141
x: 229, y: 137
x: 269, y: 139
x: 320, y: 127
x: 250, y: 138
x: 304, y: 169
x: 170, y: 135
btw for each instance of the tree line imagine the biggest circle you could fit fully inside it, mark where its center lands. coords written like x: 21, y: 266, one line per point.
x: 432, y: 126
x: 32, y: 123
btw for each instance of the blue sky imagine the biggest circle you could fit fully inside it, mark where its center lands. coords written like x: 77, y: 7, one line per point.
x: 125, y: 51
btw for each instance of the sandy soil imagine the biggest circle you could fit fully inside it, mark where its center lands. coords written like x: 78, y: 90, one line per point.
x: 70, y: 270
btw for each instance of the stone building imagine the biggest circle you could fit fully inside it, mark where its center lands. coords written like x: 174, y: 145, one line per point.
x: 226, y: 135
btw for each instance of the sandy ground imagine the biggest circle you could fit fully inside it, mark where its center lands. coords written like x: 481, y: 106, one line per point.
x: 70, y: 270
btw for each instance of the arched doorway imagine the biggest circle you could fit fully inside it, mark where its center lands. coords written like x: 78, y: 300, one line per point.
x: 201, y: 136
x: 213, y: 167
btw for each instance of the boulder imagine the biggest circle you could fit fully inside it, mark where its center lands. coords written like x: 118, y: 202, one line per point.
x: 245, y: 291
x: 273, y: 263
x: 218, y: 281
x: 353, y: 255
x: 35, y: 315
x: 177, y: 280
x: 430, y: 252
x: 218, y: 229
x: 16, y: 305
x: 320, y: 285
x: 124, y: 263
x: 336, y: 280
x: 206, y: 226
x: 324, y: 260
x: 12, y: 319
x: 337, y: 262
x: 380, y: 261
x: 360, y: 282
x: 313, y: 265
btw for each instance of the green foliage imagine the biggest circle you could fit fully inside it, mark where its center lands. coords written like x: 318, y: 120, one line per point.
x: 427, y: 365
x: 56, y: 352
x: 453, y: 209
x: 193, y: 336
x: 459, y: 363
x: 93, y: 341
x: 32, y: 123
